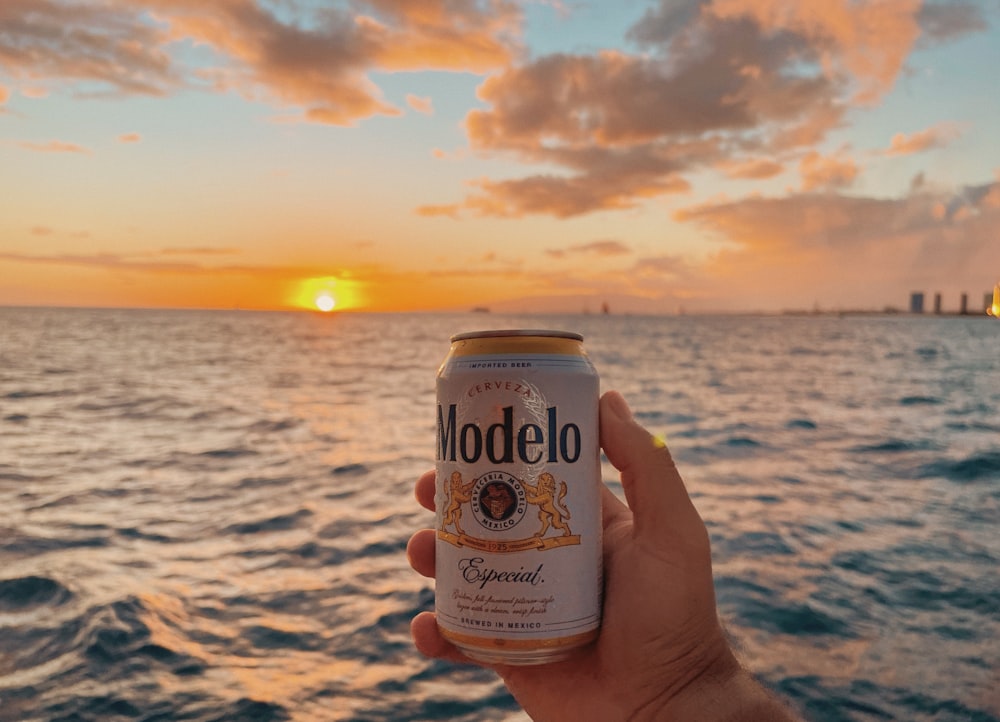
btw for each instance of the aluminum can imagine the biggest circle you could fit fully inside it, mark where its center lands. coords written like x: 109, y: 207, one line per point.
x: 518, y: 550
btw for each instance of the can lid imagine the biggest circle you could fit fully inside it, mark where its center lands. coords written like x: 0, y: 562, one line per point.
x: 500, y: 333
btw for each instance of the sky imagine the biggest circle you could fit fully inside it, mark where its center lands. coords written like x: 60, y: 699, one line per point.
x: 678, y: 156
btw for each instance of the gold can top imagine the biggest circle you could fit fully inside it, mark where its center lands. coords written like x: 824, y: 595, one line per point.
x: 519, y: 332
x: 504, y: 341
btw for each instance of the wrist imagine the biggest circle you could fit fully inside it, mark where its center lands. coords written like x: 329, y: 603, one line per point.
x: 722, y: 692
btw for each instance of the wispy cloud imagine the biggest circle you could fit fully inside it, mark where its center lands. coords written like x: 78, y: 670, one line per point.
x: 54, y: 146
x: 752, y: 168
x: 129, y: 138
x: 831, y: 240
x: 937, y: 136
x: 420, y: 104
x: 604, y: 248
x: 198, y: 251
x: 111, y: 261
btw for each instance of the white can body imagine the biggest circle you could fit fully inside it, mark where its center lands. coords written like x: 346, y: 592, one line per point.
x: 519, y: 556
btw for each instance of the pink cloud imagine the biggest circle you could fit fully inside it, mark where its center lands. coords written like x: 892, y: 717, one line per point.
x: 826, y: 172
x: 129, y: 138
x: 450, y: 210
x: 754, y: 168
x: 419, y: 104
x: 936, y: 136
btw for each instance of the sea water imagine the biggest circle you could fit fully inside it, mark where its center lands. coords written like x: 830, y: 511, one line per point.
x: 203, y: 515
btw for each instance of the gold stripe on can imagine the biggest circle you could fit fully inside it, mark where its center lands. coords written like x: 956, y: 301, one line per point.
x: 518, y: 551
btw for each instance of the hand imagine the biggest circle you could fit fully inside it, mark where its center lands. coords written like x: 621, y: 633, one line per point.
x: 661, y: 653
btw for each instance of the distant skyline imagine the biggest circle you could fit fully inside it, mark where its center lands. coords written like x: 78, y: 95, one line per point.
x: 682, y: 155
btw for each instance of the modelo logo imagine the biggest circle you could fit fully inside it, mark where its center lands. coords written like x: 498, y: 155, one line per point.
x: 532, y: 443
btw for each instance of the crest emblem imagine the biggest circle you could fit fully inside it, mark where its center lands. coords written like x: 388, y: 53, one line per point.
x: 499, y: 502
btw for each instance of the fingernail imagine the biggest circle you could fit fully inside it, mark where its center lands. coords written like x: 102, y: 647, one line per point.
x: 618, y: 406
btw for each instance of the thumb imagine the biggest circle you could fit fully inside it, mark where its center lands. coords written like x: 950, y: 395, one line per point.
x: 653, y: 487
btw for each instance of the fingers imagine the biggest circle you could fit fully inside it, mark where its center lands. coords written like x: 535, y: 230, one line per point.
x: 653, y: 487
x: 425, y: 489
x: 420, y: 552
x: 429, y: 642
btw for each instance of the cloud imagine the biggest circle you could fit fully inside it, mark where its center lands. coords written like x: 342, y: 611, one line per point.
x: 451, y: 210
x: 741, y: 87
x: 797, y: 221
x: 112, y: 46
x: 419, y: 104
x: 110, y: 261
x: 603, y: 249
x: 41, y: 231
x: 314, y: 60
x: 129, y: 138
x: 942, y: 21
x: 865, y: 42
x: 198, y: 251
x: 54, y: 146
x: 560, y: 196
x: 852, y: 249
x: 159, y: 262
x: 937, y: 136
x: 737, y: 86
x: 826, y: 172
x: 752, y: 168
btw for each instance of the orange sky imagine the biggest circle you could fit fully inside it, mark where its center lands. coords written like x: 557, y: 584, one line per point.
x: 696, y: 155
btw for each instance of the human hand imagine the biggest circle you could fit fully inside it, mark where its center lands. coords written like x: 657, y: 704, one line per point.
x: 661, y: 653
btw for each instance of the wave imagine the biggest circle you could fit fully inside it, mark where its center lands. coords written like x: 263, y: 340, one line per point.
x: 23, y: 593
x: 981, y: 466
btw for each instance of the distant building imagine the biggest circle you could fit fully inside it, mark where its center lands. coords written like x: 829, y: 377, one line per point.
x: 916, y: 302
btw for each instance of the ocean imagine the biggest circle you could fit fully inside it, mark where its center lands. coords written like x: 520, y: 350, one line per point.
x: 204, y: 514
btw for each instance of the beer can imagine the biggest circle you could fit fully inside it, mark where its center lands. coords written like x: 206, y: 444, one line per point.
x: 518, y: 550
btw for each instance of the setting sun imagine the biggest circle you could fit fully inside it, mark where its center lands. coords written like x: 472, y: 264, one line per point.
x: 323, y: 293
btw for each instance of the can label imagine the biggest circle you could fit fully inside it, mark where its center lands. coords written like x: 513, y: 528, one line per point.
x: 518, y: 473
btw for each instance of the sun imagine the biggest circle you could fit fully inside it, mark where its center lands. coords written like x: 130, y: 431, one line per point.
x: 325, y: 302
x: 325, y: 294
